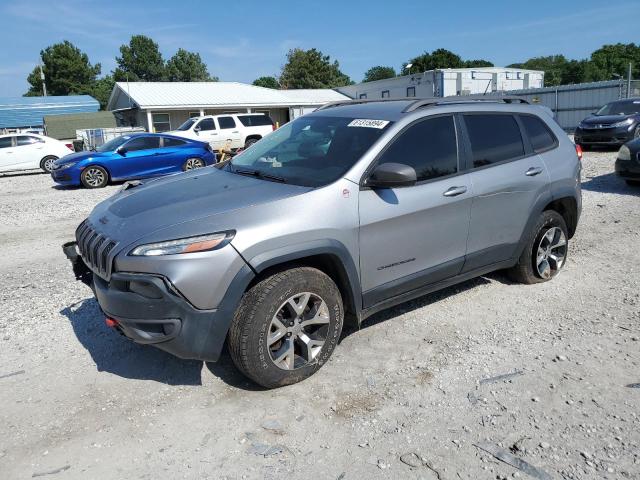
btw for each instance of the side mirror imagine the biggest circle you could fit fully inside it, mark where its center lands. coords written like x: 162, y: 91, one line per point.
x: 121, y: 150
x: 197, y: 129
x: 392, y: 175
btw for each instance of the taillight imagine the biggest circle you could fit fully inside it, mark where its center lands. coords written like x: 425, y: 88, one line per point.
x: 579, y: 152
x: 69, y: 146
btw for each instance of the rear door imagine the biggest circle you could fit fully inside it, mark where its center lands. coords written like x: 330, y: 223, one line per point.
x: 29, y: 151
x: 142, y: 158
x: 416, y: 235
x: 229, y: 132
x: 7, y: 153
x: 508, y: 179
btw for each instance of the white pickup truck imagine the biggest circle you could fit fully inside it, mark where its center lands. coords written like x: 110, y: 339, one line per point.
x: 241, y: 130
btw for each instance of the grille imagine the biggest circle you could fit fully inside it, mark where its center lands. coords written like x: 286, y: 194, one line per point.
x: 95, y: 249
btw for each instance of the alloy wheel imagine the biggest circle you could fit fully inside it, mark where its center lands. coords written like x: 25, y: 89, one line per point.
x: 193, y: 163
x: 48, y: 164
x: 94, y: 177
x: 551, y: 252
x: 298, y: 331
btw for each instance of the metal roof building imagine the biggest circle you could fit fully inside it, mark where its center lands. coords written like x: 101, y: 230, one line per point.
x: 164, y: 106
x: 26, y: 112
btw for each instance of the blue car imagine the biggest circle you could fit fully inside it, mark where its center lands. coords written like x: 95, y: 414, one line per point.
x: 138, y: 155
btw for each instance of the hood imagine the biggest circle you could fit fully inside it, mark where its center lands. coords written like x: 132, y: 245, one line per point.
x: 78, y: 156
x: 207, y: 197
x: 605, y: 119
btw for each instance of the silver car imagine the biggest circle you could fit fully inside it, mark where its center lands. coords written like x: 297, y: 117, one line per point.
x: 337, y: 215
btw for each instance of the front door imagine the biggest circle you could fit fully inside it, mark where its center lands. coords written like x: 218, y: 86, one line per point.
x: 206, y: 131
x: 140, y: 158
x: 417, y: 235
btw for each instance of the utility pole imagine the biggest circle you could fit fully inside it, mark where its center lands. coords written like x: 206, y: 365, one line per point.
x: 629, y: 81
x: 44, y: 85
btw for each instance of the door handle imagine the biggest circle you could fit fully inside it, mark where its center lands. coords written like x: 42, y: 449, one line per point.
x: 236, y: 131
x: 533, y: 171
x: 454, y: 191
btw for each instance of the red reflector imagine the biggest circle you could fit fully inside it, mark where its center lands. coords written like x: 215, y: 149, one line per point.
x: 111, y: 323
x: 579, y: 151
x: 69, y: 146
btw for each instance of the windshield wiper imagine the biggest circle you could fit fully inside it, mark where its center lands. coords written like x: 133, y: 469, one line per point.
x: 258, y: 174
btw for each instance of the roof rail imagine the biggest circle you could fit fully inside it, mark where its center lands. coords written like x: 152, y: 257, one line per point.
x: 429, y: 102
x: 357, y: 101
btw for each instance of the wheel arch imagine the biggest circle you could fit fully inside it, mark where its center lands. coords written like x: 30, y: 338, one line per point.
x: 568, y: 208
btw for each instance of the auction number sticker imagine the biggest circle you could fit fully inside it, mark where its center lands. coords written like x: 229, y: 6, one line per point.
x: 365, y: 122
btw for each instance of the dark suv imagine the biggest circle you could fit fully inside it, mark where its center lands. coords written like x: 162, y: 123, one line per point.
x: 614, y: 124
x: 337, y: 215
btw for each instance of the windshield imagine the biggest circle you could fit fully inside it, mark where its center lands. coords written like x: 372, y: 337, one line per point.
x: 112, y: 144
x: 311, y: 151
x: 630, y: 107
x: 187, y: 125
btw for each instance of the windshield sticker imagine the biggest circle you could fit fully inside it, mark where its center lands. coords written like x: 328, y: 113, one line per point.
x: 364, y: 122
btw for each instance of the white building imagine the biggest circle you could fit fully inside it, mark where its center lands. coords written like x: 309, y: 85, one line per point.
x: 447, y: 82
x: 163, y: 106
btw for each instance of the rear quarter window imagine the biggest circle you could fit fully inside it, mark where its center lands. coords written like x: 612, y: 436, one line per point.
x: 539, y: 134
x: 494, y: 138
x: 255, y: 120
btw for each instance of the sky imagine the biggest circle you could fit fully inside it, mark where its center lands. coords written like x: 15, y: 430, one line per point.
x: 242, y: 40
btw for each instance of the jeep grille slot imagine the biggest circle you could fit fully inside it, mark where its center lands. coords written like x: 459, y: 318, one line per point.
x: 95, y: 249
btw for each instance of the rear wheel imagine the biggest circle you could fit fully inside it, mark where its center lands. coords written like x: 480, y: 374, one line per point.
x: 193, y: 163
x: 250, y: 141
x: 286, y: 327
x: 46, y: 164
x: 94, y: 177
x: 546, y: 251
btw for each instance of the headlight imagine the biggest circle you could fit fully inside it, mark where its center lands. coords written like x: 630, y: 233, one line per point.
x: 201, y: 243
x: 624, y: 153
x: 623, y: 123
x: 66, y: 165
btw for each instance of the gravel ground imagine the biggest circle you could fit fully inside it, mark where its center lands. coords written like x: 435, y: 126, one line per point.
x: 410, y: 395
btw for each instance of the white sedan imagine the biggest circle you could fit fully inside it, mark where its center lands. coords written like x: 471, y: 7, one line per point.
x: 25, y: 151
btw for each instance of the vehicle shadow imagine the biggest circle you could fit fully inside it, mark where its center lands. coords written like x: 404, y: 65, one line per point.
x: 610, y: 183
x: 424, y: 301
x: 22, y: 173
x: 115, y: 354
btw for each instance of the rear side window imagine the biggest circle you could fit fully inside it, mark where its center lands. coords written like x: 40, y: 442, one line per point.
x: 172, y: 142
x: 429, y: 146
x: 539, y: 135
x: 255, y: 120
x: 226, y: 122
x: 5, y: 142
x: 27, y: 140
x: 142, y: 143
x: 206, y: 124
x: 494, y: 138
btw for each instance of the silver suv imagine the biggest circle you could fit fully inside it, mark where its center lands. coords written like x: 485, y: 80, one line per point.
x: 354, y: 208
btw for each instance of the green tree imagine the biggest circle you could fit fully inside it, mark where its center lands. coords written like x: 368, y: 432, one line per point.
x: 140, y: 60
x: 440, y: 58
x: 576, y: 71
x: 187, y: 66
x: 611, y: 60
x: 477, y: 63
x: 379, y: 73
x: 552, y: 65
x: 101, y: 90
x: 267, y: 82
x: 67, y: 71
x: 311, y: 69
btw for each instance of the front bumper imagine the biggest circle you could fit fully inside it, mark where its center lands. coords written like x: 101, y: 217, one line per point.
x: 149, y: 310
x: 603, y: 136
x: 628, y: 169
x: 68, y: 176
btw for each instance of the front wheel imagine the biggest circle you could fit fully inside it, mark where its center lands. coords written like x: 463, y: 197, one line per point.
x: 192, y: 164
x: 286, y: 327
x: 546, y: 251
x: 46, y: 164
x: 94, y: 177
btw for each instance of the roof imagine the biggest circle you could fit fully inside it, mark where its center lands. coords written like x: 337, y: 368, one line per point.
x: 63, y: 127
x: 174, y: 95
x: 29, y: 111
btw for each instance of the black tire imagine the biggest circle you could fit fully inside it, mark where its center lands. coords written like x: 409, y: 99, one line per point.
x: 633, y: 183
x: 192, y: 164
x: 94, y: 176
x: 248, y: 339
x: 526, y: 270
x: 47, y: 162
x: 250, y: 141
